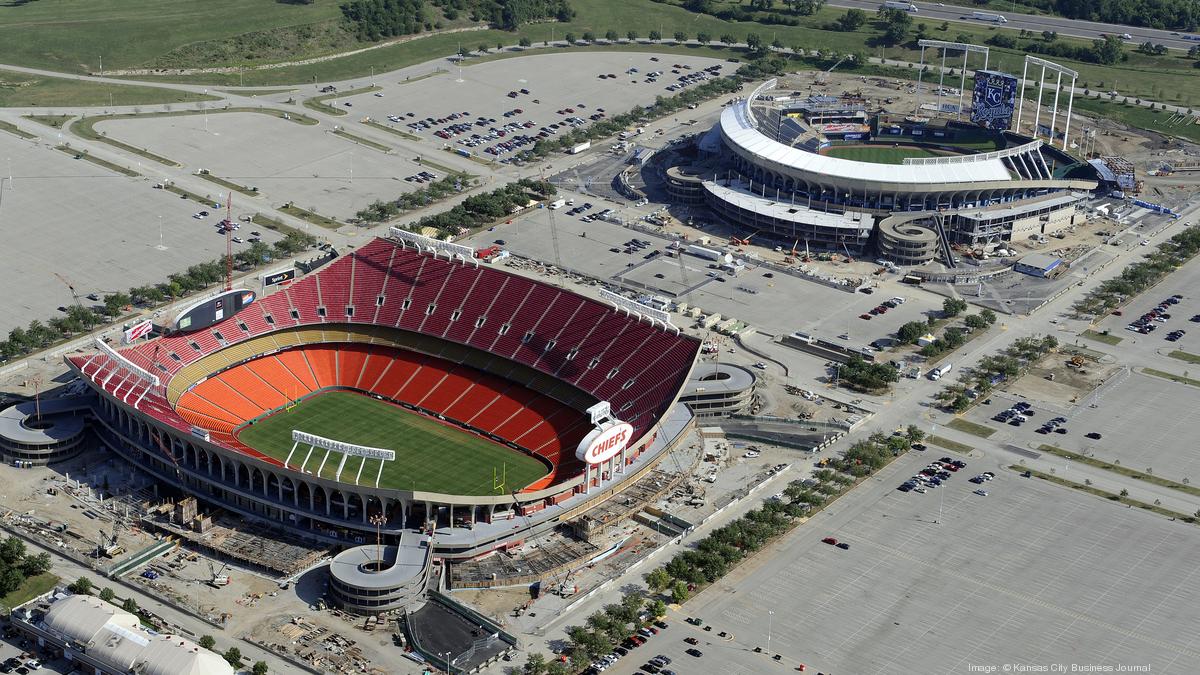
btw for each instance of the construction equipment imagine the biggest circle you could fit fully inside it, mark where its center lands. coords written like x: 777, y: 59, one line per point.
x: 217, y: 578
x: 70, y: 286
x: 734, y: 240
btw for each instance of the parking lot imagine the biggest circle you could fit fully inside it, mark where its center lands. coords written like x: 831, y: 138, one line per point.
x: 286, y: 161
x: 98, y: 229
x: 547, y: 90
x: 949, y: 581
x: 750, y: 296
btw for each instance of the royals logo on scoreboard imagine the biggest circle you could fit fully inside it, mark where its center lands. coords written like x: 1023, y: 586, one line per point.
x: 994, y: 100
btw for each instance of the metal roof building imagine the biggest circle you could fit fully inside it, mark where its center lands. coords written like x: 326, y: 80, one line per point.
x: 107, y: 639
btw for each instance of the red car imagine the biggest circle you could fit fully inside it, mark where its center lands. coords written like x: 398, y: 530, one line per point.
x: 829, y: 540
x: 865, y: 316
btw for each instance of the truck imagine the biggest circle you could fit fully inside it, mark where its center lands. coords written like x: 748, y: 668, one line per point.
x: 937, y: 373
x: 706, y: 253
x: 581, y: 147
x: 557, y: 204
x: 902, y: 6
x: 989, y: 16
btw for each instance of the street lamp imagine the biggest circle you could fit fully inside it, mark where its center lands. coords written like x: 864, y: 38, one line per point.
x: 770, y: 622
x: 447, y: 657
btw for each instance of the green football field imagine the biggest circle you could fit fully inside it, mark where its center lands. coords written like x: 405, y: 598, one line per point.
x: 430, y: 456
x: 880, y: 154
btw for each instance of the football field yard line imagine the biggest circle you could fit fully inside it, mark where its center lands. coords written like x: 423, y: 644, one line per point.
x: 430, y: 455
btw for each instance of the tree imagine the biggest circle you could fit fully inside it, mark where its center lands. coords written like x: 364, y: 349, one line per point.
x: 535, y: 664
x: 658, y: 608
x: 1049, y: 36
x: 589, y: 36
x: 81, y: 586
x: 896, y: 24
x: 106, y: 594
x: 728, y: 39
x: 914, y: 434
x: 679, y: 592
x: 681, y: 36
x: 703, y: 38
x: 1124, y: 493
x: 34, y: 565
x: 852, y: 20
x: 12, y: 551
x: 632, y: 35
x: 611, y: 36
x: 658, y: 580
x: 233, y: 656
x: 130, y: 605
x: 259, y: 668
x: 482, y: 48
x: 988, y: 316
x: 655, y: 36
x: 753, y: 42
x: 952, y: 307
x: 944, y: 27
x: 207, y: 641
x: 910, y: 331
x: 524, y: 42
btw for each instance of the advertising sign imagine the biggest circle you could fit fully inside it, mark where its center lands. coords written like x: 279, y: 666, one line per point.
x: 604, y: 443
x: 278, y: 277
x: 138, y: 330
x: 994, y: 100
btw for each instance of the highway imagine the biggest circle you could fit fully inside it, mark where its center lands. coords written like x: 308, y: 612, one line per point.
x: 930, y: 12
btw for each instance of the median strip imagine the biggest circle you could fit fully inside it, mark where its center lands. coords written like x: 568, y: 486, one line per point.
x: 953, y: 446
x: 1171, y: 376
x: 1118, y: 469
x: 1174, y: 515
x: 972, y: 428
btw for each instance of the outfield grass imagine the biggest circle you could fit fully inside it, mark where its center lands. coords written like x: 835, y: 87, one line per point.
x: 880, y: 154
x: 22, y: 90
x: 430, y: 456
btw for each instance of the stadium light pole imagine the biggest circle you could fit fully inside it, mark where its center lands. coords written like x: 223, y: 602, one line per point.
x: 770, y: 623
x: 378, y: 520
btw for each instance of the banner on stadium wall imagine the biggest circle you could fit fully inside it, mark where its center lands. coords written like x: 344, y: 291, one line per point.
x: 852, y: 137
x: 948, y: 107
x: 604, y: 442
x: 994, y: 99
x: 278, y: 277
x: 138, y: 330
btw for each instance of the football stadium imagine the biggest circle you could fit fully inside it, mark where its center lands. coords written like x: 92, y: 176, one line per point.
x: 404, y: 386
x: 827, y: 172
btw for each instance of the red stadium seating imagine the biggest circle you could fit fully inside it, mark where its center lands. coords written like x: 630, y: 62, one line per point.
x: 608, y: 354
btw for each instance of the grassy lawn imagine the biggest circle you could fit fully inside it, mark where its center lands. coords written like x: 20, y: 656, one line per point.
x: 880, y: 154
x: 446, y: 171
x: 1138, y: 116
x: 316, y: 219
x: 319, y: 104
x: 23, y: 90
x: 230, y: 185
x: 1117, y: 468
x: 980, y: 430
x: 97, y: 161
x: 29, y: 589
x: 256, y: 92
x: 14, y: 129
x: 1107, y: 339
x: 1187, y: 518
x: 52, y: 121
x: 1171, y: 376
x: 391, y: 130
x: 1184, y: 356
x: 430, y: 455
x: 73, y: 35
x: 955, y: 446
x: 361, y: 141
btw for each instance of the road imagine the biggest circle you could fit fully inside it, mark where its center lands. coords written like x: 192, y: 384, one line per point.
x: 929, y: 12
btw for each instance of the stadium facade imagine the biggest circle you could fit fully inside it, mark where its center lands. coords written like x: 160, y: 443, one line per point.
x: 769, y: 170
x: 587, y: 387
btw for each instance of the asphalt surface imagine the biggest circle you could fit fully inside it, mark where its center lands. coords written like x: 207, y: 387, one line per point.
x: 929, y: 11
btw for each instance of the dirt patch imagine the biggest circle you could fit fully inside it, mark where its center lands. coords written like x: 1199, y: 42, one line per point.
x: 1052, y: 380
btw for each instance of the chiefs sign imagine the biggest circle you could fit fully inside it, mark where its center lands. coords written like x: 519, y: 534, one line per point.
x: 605, y: 443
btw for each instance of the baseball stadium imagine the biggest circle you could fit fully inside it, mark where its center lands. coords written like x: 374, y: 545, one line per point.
x: 406, y: 386
x: 828, y: 173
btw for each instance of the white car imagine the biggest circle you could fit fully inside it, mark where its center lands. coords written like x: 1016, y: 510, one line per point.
x: 981, y: 493
x: 751, y: 454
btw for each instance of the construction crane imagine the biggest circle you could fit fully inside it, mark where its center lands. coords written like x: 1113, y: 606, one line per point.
x: 70, y: 286
x: 229, y: 241
x: 217, y: 579
x: 554, y: 240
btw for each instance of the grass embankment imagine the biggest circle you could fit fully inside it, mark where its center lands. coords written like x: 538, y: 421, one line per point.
x: 391, y: 130
x: 1105, y: 494
x: 362, y: 141
x: 953, y: 446
x: 14, y: 129
x: 1106, y: 338
x: 316, y: 219
x: 84, y: 155
x: 52, y: 121
x: 972, y: 428
x: 29, y: 589
x: 230, y: 185
x: 1162, y: 121
x: 24, y: 90
x: 1171, y: 376
x: 1184, y: 356
x: 318, y: 102
x: 430, y: 455
x: 1117, y: 468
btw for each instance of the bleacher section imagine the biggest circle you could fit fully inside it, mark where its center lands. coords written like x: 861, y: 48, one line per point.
x: 534, y: 421
x: 494, y: 324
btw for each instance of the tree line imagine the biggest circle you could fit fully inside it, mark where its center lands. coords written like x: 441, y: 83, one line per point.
x: 482, y: 209
x: 80, y: 318
x: 17, y: 565
x: 1137, y: 277
x: 992, y: 370
x: 380, y: 211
